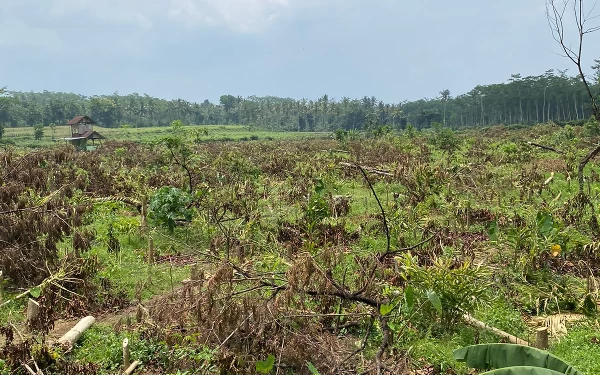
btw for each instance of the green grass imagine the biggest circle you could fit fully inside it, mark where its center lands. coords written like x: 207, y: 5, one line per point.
x: 12, y: 312
x: 502, y: 315
x: 23, y: 137
x: 128, y: 270
x: 102, y: 346
x: 581, y: 347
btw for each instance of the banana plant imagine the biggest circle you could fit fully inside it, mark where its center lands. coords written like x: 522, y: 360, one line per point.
x: 522, y: 370
x: 513, y: 359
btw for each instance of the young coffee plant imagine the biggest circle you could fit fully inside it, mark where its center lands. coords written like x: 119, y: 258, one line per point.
x: 168, y: 205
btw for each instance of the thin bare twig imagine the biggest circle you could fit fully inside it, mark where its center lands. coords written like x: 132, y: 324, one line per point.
x: 555, y: 16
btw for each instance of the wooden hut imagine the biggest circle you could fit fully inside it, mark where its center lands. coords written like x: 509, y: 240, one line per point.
x: 82, y: 131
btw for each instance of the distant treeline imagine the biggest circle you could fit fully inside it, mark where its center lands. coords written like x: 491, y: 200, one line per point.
x: 552, y: 96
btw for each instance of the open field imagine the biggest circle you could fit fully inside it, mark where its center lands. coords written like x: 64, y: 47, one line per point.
x: 291, y: 256
x: 24, y: 136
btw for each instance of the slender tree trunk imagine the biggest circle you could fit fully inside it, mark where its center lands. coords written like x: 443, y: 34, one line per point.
x: 482, y: 113
x: 544, y: 106
x: 521, y: 106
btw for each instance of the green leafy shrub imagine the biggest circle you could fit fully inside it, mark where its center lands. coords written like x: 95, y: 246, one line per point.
x: 461, y: 288
x: 591, y: 128
x: 317, y: 208
x: 340, y: 135
x: 444, y: 138
x: 38, y: 131
x: 543, y: 238
x: 168, y: 205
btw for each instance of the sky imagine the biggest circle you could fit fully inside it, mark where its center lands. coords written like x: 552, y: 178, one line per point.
x: 394, y: 50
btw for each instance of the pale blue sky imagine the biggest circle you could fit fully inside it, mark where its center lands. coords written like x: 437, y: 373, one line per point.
x: 201, y: 49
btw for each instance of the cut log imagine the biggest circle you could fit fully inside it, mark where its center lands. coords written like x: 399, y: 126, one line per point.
x: 75, y: 333
x: 479, y: 324
x: 132, y: 368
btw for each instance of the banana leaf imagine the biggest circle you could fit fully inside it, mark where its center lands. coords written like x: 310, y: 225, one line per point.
x: 498, y: 356
x: 522, y: 370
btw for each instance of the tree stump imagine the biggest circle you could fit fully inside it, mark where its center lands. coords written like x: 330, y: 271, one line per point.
x: 541, y: 338
x: 126, y: 362
x: 33, y: 311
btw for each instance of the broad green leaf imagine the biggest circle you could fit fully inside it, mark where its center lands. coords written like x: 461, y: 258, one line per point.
x: 313, y: 370
x: 265, y: 366
x: 522, y: 370
x: 394, y: 326
x: 386, y: 309
x: 493, y: 231
x: 488, y: 356
x: 545, y: 223
x: 409, y: 297
x: 35, y: 292
x: 319, y: 186
x: 435, y: 301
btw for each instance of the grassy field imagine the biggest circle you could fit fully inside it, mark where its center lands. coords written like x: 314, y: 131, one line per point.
x: 23, y: 137
x: 304, y: 259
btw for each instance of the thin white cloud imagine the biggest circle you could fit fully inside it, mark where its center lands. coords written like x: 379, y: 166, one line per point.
x: 140, y: 13
x: 246, y: 16
x: 243, y: 16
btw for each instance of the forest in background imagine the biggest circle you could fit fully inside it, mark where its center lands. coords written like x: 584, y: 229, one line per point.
x: 552, y: 96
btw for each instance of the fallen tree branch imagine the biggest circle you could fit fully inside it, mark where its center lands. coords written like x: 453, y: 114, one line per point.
x: 479, y: 324
x: 548, y: 148
x: 363, y: 344
x: 368, y: 169
x: 60, y: 275
x: 385, y: 342
x: 40, y: 204
x: 580, y: 179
